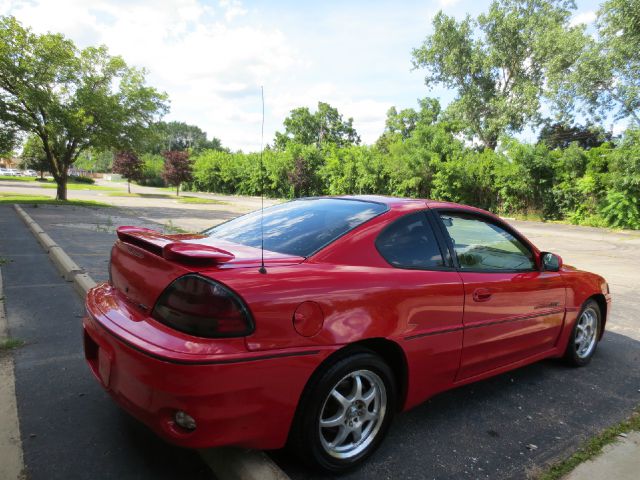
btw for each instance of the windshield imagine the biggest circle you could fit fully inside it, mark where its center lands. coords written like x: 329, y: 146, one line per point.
x: 300, y: 227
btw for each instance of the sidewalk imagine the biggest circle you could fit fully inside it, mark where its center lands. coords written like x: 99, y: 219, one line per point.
x: 618, y: 461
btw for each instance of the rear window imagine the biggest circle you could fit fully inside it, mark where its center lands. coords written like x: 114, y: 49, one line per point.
x: 300, y: 227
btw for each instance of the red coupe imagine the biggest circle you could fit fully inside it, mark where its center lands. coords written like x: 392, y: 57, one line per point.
x: 313, y: 322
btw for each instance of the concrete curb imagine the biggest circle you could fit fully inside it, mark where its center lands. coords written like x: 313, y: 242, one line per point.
x: 11, y: 457
x: 226, y: 463
x: 240, y: 464
x: 69, y: 269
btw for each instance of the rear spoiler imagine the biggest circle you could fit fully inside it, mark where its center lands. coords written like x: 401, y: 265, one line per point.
x: 172, y: 247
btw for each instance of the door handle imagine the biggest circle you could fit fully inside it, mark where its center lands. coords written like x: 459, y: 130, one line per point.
x: 481, y: 295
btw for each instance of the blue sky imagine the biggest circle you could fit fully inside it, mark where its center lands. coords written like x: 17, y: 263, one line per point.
x: 212, y: 56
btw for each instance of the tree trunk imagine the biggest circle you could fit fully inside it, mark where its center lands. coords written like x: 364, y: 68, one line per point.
x: 178, y: 190
x: 61, y: 191
x: 128, y: 186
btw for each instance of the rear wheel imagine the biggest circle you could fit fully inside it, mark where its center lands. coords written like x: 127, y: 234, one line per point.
x: 584, y: 337
x: 345, y: 412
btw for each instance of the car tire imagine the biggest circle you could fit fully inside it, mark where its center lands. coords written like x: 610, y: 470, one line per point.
x: 338, y: 424
x: 585, y: 335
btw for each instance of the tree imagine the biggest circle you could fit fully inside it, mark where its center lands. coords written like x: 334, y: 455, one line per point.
x: 560, y: 135
x: 179, y: 136
x: 9, y: 137
x: 33, y: 155
x: 608, y: 73
x: 325, y: 126
x: 129, y: 166
x: 501, y: 64
x: 71, y: 99
x: 177, y: 168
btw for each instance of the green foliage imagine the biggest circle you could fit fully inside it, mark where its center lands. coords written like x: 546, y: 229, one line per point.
x: 178, y: 136
x: 501, y: 64
x: 81, y: 179
x: 71, y: 99
x: 607, y: 76
x: 152, y: 167
x: 95, y: 160
x: 323, y: 127
x: 33, y: 155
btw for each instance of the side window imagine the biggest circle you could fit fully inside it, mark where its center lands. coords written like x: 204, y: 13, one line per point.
x: 410, y: 243
x: 482, y: 245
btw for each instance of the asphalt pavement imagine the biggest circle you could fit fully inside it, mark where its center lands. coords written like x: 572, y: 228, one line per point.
x: 502, y: 428
x: 70, y: 428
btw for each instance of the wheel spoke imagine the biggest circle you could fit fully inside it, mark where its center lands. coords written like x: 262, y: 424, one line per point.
x: 342, y: 435
x: 369, y: 396
x: 334, y: 421
x: 356, y: 393
x: 357, y: 433
x: 340, y: 398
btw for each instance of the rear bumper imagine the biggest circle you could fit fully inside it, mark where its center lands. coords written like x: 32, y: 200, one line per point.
x: 247, y: 402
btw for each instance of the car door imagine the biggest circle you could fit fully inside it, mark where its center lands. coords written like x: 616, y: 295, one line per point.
x: 425, y: 292
x: 512, y: 309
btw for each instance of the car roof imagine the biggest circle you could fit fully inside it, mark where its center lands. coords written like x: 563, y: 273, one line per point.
x: 413, y: 203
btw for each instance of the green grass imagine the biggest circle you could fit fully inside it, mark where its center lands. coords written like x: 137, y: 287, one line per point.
x: 591, y: 448
x: 9, y: 344
x: 10, y: 198
x: 201, y: 200
x: 141, y: 195
x: 18, y: 179
x: 52, y: 184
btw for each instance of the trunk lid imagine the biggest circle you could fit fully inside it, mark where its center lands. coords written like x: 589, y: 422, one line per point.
x: 144, y: 261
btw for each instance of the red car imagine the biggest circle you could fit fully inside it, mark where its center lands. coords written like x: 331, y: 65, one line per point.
x: 362, y: 307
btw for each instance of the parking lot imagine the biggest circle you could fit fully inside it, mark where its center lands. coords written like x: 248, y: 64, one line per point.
x: 505, y: 427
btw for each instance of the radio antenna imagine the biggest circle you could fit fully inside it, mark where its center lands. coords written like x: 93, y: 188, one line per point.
x: 262, y: 269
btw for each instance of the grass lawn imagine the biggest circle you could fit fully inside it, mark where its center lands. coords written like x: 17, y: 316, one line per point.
x: 201, y: 200
x: 52, y: 184
x: 18, y: 179
x: 10, y: 198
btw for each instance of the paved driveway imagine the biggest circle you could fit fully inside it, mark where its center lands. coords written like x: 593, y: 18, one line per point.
x: 500, y: 428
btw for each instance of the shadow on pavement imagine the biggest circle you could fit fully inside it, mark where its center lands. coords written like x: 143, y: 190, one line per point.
x: 482, y: 430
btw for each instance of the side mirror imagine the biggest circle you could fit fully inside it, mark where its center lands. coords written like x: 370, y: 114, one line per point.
x: 551, y: 262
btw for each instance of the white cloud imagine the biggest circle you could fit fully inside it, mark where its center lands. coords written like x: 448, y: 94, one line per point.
x: 212, y: 57
x: 448, y: 3
x: 584, y: 17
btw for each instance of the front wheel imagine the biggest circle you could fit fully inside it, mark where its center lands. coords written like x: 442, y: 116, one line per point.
x: 584, y: 337
x: 345, y: 412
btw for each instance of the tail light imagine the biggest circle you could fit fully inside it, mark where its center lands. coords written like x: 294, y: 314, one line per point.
x: 199, y: 306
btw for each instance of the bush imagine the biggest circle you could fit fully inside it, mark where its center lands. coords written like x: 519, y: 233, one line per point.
x: 81, y: 179
x: 152, y: 166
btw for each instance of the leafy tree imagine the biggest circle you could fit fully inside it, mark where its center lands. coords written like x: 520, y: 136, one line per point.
x: 177, y: 168
x: 95, y: 160
x: 178, y: 136
x: 33, y: 155
x: 608, y: 73
x: 71, y: 99
x: 560, y: 135
x: 323, y: 127
x: 502, y: 63
x: 128, y: 165
x: 9, y: 138
x: 400, y: 125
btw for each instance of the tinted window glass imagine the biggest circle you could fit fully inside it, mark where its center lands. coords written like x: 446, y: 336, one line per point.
x: 300, y: 227
x: 409, y: 243
x: 481, y: 245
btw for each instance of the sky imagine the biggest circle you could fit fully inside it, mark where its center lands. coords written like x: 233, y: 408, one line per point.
x: 212, y: 56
